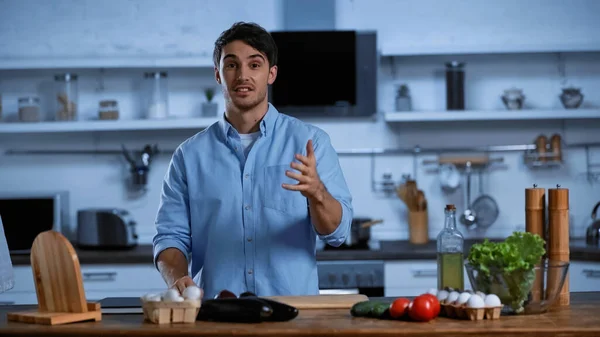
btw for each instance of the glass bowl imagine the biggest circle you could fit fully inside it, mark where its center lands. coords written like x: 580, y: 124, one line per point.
x: 522, y: 291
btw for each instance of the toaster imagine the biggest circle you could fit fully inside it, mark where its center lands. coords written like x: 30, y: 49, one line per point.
x: 106, y: 228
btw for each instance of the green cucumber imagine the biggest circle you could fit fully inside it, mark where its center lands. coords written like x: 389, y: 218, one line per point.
x: 362, y: 309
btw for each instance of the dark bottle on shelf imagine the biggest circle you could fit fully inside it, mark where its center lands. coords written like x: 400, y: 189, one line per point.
x: 455, y: 85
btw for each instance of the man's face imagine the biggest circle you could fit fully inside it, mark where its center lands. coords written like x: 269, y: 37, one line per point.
x: 244, y: 75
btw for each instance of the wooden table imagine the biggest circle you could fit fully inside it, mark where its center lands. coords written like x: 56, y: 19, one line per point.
x: 581, y: 319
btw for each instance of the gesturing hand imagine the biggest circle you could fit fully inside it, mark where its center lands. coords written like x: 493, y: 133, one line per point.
x: 309, y: 183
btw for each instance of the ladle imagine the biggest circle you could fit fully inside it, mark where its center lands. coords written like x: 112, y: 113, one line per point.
x: 468, y: 217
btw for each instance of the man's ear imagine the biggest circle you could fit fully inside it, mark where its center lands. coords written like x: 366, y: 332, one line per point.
x: 217, y: 75
x: 272, y: 74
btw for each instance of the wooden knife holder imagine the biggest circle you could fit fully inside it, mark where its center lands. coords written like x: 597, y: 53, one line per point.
x: 58, y: 284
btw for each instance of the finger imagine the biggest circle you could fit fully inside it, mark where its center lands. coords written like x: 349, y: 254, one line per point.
x: 309, y: 149
x: 295, y: 187
x: 303, y: 159
x: 301, y: 178
x: 300, y: 167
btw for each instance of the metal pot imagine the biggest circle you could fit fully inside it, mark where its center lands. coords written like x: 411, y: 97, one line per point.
x: 360, y: 231
x: 592, y: 236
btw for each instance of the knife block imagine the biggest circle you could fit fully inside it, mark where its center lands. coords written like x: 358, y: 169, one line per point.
x: 58, y: 284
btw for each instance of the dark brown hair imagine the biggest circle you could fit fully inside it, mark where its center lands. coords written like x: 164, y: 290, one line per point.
x: 250, y: 33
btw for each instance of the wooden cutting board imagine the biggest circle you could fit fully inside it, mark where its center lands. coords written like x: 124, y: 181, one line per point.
x: 58, y: 284
x: 320, y: 301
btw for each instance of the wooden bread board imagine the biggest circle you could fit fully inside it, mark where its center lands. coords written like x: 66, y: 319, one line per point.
x: 320, y: 301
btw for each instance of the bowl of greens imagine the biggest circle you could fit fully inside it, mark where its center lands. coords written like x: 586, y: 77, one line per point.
x: 517, y: 273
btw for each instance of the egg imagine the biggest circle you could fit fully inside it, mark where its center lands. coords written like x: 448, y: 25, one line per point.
x: 452, y: 296
x: 192, y: 293
x: 492, y: 300
x: 170, y: 295
x: 463, y: 298
x: 481, y: 294
x: 475, y: 301
x: 151, y: 298
x: 442, y: 295
x: 432, y: 291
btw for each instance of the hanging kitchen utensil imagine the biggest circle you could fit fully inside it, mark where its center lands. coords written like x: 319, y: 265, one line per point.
x: 449, y: 177
x: 592, y: 234
x: 139, y: 169
x: 485, y: 207
x: 468, y: 218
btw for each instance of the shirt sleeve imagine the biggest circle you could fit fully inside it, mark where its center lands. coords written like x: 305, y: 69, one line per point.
x: 330, y: 173
x: 172, y: 219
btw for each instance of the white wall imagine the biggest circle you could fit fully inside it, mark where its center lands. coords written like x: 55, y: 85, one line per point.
x: 141, y: 28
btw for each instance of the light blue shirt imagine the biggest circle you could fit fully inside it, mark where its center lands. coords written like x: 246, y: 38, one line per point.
x: 241, y: 230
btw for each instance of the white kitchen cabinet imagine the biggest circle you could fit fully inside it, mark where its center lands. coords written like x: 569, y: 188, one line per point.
x: 411, y: 277
x: 584, y: 276
x: 99, y: 281
x: 414, y: 277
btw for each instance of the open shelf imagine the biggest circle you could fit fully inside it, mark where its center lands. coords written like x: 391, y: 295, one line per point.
x: 107, y: 125
x: 407, y: 50
x: 106, y: 62
x: 492, y: 115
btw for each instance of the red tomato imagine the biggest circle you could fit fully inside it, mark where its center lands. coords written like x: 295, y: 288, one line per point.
x: 434, y: 302
x: 399, y: 307
x: 423, y: 309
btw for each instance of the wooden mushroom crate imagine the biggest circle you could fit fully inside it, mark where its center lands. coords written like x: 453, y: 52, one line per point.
x: 164, y: 312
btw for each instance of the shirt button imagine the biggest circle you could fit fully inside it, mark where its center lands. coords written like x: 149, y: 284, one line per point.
x: 246, y: 176
x: 249, y: 239
x: 247, y: 207
x: 249, y: 271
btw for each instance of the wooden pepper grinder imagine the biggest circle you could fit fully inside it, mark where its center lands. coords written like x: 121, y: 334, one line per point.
x: 535, y: 223
x: 558, y: 240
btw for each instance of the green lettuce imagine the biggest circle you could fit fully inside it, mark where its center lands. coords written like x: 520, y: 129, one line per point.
x: 507, y: 268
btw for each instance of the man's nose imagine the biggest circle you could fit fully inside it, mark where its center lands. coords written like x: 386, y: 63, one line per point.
x: 243, y: 74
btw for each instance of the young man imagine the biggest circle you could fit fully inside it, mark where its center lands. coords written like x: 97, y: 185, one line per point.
x: 247, y: 197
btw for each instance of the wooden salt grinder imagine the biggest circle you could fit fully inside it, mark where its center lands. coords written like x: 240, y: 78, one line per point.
x: 535, y: 220
x: 558, y: 239
x: 58, y: 284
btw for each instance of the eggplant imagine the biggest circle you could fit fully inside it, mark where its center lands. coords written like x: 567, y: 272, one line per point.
x: 281, y: 311
x: 248, y: 308
x: 241, y: 310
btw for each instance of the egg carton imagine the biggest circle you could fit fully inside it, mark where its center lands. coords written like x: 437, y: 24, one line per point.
x: 164, y: 312
x: 452, y: 310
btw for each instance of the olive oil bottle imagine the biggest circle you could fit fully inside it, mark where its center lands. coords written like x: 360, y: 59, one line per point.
x: 450, y: 255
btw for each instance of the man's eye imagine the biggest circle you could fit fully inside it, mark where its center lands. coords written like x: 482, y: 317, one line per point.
x: 255, y: 65
x: 230, y: 65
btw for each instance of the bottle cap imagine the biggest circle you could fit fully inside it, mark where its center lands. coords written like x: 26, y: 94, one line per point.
x: 450, y: 207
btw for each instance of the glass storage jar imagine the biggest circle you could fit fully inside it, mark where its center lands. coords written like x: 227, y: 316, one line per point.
x: 66, y: 97
x: 155, y: 95
x: 29, y: 109
x: 108, y: 109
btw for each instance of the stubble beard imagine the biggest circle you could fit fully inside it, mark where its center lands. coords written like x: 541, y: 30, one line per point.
x: 244, y: 105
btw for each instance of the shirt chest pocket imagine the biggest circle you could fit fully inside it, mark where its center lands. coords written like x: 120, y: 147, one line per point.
x: 276, y: 197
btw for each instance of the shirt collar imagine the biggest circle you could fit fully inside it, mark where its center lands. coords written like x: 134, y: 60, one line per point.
x: 266, y: 125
